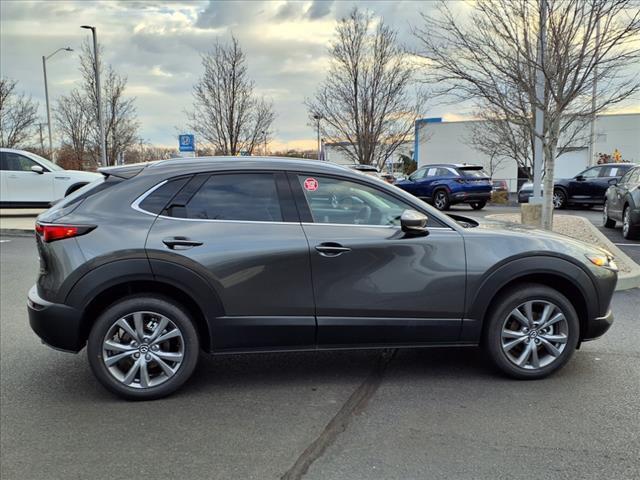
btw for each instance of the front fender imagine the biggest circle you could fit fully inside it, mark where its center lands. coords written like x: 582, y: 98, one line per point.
x: 514, y: 269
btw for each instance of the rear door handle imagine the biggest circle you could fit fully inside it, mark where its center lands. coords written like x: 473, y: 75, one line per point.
x: 180, y: 243
x: 331, y: 249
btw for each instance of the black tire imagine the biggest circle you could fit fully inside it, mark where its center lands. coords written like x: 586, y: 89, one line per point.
x: 629, y: 231
x: 499, y: 315
x: 559, y: 199
x: 144, y: 303
x: 478, y: 205
x: 606, y: 220
x: 441, y: 199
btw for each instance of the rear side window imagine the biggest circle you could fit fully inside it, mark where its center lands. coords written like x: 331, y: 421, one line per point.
x: 157, y: 200
x: 242, y: 196
x: 473, y: 173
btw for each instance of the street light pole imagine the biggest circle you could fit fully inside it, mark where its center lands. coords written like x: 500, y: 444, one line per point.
x: 103, y: 142
x: 317, y: 118
x: 46, y: 94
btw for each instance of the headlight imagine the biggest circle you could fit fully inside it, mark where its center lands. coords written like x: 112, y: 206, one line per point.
x: 602, y: 260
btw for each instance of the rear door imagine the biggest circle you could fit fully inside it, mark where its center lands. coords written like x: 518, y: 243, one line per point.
x: 374, y: 285
x: 240, y: 231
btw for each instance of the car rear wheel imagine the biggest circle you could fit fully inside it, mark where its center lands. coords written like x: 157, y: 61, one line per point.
x: 559, y: 199
x: 606, y: 221
x: 629, y: 231
x: 478, y: 205
x: 143, y: 347
x: 441, y: 200
x: 532, y: 331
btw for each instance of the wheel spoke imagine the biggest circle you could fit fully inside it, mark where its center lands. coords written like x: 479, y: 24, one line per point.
x: 555, y: 319
x: 139, y: 324
x: 524, y: 356
x: 170, y: 356
x: 144, y: 374
x: 110, y: 361
x: 118, y: 347
x: 559, y: 338
x: 550, y: 347
x: 159, y: 328
x: 506, y: 333
x: 171, y: 334
x: 517, y: 314
x: 535, y: 360
x: 528, y: 310
x: 163, y: 365
x: 131, y: 374
x: 507, y: 347
x: 124, y: 325
x: 546, y: 313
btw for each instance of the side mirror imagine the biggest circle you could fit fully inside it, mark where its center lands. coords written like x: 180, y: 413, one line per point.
x: 414, y: 223
x: 37, y: 169
x: 580, y: 178
x: 613, y: 181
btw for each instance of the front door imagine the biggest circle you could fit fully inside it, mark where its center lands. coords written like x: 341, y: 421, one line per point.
x: 372, y: 283
x: 241, y: 232
x: 582, y: 188
x: 23, y: 184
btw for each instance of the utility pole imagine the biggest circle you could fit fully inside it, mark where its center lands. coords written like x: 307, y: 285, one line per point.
x: 46, y: 95
x: 41, y: 137
x: 96, y: 66
x: 594, y: 93
x: 317, y: 117
x: 264, y: 138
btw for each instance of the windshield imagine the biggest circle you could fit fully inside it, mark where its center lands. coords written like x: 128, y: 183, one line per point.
x: 46, y: 163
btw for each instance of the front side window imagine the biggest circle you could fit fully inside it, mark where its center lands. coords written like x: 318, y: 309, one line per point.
x: 235, y: 196
x: 16, y: 163
x: 333, y: 200
x: 591, y: 173
x: 418, y: 174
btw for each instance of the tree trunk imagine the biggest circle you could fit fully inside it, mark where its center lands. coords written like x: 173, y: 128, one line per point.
x: 549, y: 170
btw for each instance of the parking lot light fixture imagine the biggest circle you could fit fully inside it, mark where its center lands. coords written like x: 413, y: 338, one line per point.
x: 103, y: 146
x: 46, y: 93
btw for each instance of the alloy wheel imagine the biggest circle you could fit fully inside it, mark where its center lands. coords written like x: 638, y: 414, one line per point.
x: 534, y: 334
x: 143, y: 349
x: 558, y: 200
x: 440, y: 200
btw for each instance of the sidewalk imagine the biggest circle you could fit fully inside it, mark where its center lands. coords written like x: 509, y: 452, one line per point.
x: 18, y: 220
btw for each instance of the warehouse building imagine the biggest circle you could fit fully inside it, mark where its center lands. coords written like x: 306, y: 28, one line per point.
x: 438, y: 141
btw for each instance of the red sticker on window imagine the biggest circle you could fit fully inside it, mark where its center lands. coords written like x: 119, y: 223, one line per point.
x: 311, y: 184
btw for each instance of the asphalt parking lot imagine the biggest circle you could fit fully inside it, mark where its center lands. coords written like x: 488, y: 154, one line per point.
x: 439, y: 413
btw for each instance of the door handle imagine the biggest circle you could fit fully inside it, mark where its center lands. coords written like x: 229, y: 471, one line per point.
x: 331, y: 249
x: 180, y: 243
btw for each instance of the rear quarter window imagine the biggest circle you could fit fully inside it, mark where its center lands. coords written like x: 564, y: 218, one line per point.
x: 158, y: 199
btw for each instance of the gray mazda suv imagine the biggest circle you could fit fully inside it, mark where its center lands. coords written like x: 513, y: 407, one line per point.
x: 153, y: 263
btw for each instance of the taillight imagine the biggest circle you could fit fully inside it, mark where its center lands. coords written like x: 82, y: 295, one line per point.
x: 53, y: 232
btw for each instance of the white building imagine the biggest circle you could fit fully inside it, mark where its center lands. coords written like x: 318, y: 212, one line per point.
x: 438, y: 141
x: 333, y: 152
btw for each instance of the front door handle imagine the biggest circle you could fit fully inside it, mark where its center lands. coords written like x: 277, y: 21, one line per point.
x: 180, y: 243
x: 331, y: 249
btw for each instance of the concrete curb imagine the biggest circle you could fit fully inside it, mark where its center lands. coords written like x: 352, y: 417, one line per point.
x: 626, y: 280
x: 16, y: 232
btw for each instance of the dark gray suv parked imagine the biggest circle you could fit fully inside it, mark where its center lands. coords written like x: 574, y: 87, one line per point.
x: 153, y: 263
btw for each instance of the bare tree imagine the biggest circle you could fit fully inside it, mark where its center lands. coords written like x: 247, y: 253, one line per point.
x: 490, y: 57
x: 121, y: 124
x: 365, y: 100
x: 18, y: 115
x: 73, y: 115
x: 227, y: 113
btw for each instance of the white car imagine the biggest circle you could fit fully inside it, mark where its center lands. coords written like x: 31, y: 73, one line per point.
x: 29, y: 181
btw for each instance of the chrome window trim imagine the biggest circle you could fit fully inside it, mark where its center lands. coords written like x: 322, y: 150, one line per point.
x: 136, y: 203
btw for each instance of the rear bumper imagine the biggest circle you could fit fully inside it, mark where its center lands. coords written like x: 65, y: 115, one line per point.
x: 57, y: 325
x: 598, y: 326
x: 466, y: 197
x: 523, y: 197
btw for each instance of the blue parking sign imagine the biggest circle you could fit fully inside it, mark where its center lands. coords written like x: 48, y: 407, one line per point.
x: 186, y: 143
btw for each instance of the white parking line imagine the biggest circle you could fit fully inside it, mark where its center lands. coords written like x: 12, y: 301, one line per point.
x: 3, y: 241
x: 628, y: 244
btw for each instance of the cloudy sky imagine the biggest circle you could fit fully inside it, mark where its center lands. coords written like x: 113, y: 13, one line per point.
x: 158, y: 45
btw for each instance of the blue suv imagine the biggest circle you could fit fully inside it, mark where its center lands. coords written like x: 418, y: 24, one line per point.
x: 447, y: 184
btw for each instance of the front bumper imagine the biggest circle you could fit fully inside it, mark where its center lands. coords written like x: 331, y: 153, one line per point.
x: 57, y: 325
x: 597, y: 327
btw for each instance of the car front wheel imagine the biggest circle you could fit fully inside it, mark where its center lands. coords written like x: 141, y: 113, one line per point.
x: 478, y: 205
x: 143, y: 347
x: 606, y: 221
x: 559, y: 199
x: 629, y: 231
x: 532, y: 331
